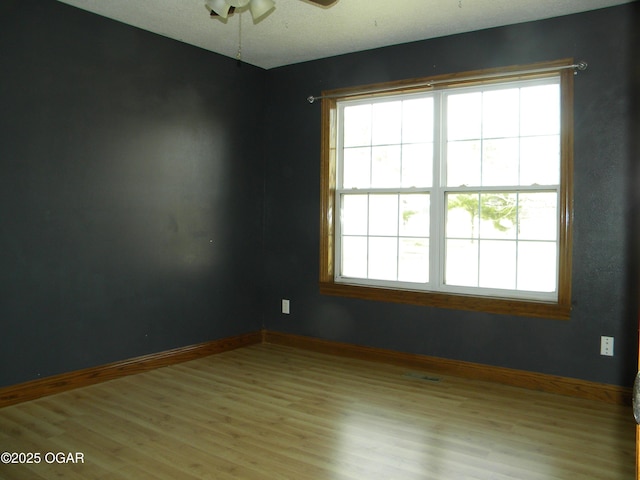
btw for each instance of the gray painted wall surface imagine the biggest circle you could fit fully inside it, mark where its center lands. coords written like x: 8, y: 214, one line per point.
x: 604, y: 299
x: 130, y: 201
x: 135, y: 215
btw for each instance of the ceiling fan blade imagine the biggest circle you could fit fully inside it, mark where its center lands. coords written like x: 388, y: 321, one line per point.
x: 323, y: 3
x: 231, y: 12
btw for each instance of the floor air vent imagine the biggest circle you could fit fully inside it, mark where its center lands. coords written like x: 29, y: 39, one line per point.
x: 421, y: 376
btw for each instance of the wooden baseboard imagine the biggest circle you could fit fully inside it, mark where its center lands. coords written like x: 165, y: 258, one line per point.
x: 517, y: 378
x: 89, y: 376
x: 506, y: 376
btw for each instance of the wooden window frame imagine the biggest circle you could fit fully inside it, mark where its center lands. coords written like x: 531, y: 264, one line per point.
x: 560, y: 309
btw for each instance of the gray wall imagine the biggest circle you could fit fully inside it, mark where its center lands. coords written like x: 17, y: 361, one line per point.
x: 130, y: 200
x: 604, y: 286
x: 136, y: 217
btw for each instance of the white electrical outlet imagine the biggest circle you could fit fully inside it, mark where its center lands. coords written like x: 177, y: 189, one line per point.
x: 606, y: 346
x: 285, y: 306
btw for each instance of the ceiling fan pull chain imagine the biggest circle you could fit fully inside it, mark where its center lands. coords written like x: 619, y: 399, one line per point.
x: 239, y: 54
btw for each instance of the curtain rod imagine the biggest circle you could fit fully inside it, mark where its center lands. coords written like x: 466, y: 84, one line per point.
x: 582, y: 65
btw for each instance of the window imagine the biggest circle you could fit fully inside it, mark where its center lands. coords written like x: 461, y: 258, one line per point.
x: 452, y: 191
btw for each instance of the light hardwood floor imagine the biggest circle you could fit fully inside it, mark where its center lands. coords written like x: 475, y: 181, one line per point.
x: 274, y: 412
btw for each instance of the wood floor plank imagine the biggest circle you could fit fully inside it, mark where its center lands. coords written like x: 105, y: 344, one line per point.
x: 275, y: 412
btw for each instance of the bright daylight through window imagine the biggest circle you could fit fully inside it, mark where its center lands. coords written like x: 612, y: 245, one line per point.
x: 456, y: 193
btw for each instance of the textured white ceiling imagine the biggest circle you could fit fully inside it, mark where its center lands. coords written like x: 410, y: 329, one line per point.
x: 297, y: 30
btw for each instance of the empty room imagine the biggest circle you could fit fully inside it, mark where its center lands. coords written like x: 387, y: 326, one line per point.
x: 319, y: 239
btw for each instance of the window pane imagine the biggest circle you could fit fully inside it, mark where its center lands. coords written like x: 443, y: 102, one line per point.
x: 500, y: 113
x: 538, y: 216
x: 495, y: 166
x: 463, y: 215
x: 354, y: 257
x: 540, y: 110
x: 499, y: 215
x: 383, y: 215
x: 464, y: 116
x: 387, y: 123
x: 461, y: 263
x: 537, y: 266
x: 463, y: 163
x: 417, y: 120
x: 500, y: 162
x: 357, y: 125
x: 383, y: 258
x: 417, y: 165
x: 354, y: 214
x: 540, y: 160
x: 414, y: 260
x: 415, y: 215
x: 356, y: 167
x: 385, y: 169
x: 498, y: 264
